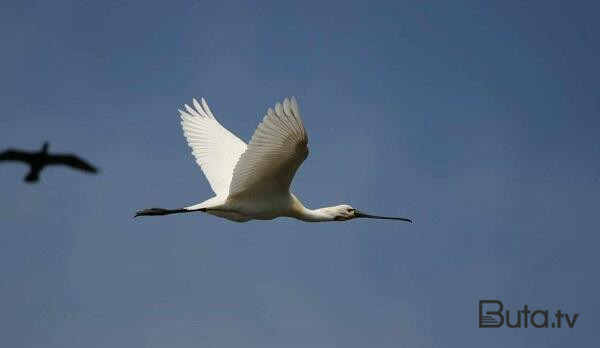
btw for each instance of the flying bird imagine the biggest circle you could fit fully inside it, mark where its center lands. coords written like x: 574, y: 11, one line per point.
x: 252, y: 181
x: 37, y: 161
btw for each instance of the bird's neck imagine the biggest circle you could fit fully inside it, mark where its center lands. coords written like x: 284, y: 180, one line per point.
x: 316, y: 215
x: 299, y: 211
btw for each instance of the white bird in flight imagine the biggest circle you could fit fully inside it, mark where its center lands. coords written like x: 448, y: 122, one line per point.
x: 253, y: 181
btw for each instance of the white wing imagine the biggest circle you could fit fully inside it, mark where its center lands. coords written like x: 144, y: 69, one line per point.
x: 216, y: 149
x: 276, y: 150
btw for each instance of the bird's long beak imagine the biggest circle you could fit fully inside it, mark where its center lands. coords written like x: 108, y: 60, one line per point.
x: 360, y: 214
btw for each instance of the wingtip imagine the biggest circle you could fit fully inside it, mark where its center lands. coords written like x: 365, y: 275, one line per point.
x: 190, y: 110
x: 207, y: 110
x: 287, y: 106
x: 279, y: 109
x: 295, y: 106
x: 196, y: 104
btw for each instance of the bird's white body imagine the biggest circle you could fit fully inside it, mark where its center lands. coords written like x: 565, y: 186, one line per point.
x: 241, y: 210
x: 252, y: 181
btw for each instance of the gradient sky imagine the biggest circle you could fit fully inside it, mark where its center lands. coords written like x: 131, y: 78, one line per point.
x: 478, y: 120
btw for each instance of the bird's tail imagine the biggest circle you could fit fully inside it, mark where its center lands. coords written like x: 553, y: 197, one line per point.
x: 163, y: 211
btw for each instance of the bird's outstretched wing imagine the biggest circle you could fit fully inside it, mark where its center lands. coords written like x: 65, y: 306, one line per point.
x: 71, y: 161
x: 15, y: 155
x: 276, y: 150
x: 215, y: 148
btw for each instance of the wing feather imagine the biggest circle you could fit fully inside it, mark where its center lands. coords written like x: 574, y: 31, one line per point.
x: 15, y: 155
x: 216, y: 149
x: 72, y: 161
x: 274, y: 154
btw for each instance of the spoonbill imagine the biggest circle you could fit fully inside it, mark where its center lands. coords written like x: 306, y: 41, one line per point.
x: 37, y: 161
x: 253, y: 181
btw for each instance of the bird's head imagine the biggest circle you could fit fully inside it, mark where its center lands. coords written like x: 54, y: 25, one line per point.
x: 346, y: 212
x: 342, y: 212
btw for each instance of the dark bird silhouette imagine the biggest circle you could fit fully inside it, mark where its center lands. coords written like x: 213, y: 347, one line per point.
x: 37, y: 161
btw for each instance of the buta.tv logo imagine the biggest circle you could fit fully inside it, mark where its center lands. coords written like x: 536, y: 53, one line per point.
x: 491, y: 316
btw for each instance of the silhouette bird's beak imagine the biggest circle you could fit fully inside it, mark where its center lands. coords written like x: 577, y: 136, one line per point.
x: 360, y: 214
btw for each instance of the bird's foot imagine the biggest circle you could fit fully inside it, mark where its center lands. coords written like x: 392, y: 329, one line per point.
x: 152, y: 212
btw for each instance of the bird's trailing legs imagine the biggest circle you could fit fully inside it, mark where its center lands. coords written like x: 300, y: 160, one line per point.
x: 162, y: 211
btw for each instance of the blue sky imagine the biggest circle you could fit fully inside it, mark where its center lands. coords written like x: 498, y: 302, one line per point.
x: 477, y: 120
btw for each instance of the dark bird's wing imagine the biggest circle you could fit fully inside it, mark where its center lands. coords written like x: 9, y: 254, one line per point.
x: 71, y: 161
x: 15, y: 155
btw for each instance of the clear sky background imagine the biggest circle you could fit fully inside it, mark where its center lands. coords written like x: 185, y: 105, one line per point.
x: 479, y: 120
